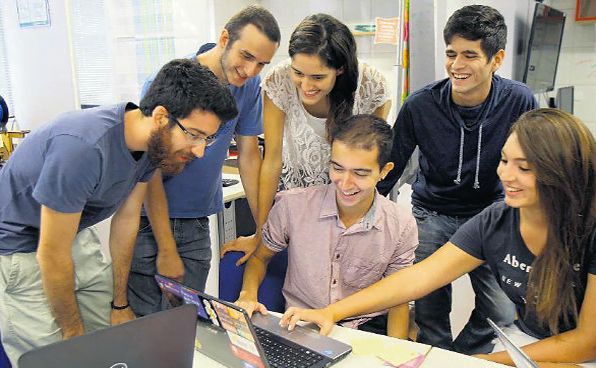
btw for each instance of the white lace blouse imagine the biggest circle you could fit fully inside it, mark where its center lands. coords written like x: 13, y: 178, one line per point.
x: 305, y: 152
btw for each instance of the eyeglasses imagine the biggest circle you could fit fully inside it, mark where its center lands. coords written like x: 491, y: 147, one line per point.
x: 193, y: 138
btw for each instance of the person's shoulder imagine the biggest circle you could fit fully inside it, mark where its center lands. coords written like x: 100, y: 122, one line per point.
x: 427, y: 93
x: 394, y: 213
x: 496, y: 213
x: 281, y: 68
x: 512, y: 86
x: 204, y: 48
x: 301, y: 197
x: 364, y: 67
x: 296, y: 194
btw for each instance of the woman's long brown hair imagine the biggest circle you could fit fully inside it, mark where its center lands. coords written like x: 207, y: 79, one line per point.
x: 562, y: 151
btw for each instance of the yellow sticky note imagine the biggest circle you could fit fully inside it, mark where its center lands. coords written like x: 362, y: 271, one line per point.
x: 396, y: 354
x: 393, y: 352
x: 367, y: 346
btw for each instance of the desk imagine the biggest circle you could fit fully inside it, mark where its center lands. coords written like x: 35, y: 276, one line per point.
x: 436, y: 358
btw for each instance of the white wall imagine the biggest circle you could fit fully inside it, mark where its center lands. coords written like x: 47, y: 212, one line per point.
x: 40, y: 65
x: 577, y: 63
x: 512, y: 10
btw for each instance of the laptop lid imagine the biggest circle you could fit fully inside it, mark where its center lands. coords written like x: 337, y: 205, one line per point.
x: 519, y: 357
x: 160, y: 340
x: 226, y: 316
x: 224, y: 332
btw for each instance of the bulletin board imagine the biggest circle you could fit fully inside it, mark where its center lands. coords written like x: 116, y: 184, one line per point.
x: 585, y: 10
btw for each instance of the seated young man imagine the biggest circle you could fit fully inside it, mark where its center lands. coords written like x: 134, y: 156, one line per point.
x: 341, y: 237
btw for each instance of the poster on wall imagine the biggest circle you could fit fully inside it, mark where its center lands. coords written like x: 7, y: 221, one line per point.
x: 387, y: 30
x: 33, y: 13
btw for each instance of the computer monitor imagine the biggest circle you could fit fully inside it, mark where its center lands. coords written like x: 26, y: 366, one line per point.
x: 544, y: 47
x: 564, y: 100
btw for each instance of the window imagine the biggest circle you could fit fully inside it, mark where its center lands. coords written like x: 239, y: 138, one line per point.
x: 93, y: 57
x: 119, y: 43
x: 5, y: 83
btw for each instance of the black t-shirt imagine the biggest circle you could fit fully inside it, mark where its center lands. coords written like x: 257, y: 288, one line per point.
x: 494, y: 236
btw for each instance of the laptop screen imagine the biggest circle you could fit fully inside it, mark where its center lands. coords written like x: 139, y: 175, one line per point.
x: 221, y: 325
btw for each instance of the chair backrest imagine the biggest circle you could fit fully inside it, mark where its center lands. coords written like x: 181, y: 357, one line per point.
x: 230, y: 280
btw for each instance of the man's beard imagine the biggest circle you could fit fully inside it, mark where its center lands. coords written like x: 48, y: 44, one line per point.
x: 159, y: 148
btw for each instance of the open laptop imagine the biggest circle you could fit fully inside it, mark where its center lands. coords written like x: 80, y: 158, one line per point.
x: 520, y: 359
x: 160, y: 340
x: 226, y: 334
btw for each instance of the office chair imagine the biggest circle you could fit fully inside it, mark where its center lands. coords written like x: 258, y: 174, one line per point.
x: 230, y: 280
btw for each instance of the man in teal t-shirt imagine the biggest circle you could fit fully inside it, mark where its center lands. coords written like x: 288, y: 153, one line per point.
x: 183, y: 250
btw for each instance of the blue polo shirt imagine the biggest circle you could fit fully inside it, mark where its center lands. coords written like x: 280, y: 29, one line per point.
x: 197, y: 190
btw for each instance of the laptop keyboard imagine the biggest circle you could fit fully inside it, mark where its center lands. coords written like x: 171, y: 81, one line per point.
x: 282, y: 355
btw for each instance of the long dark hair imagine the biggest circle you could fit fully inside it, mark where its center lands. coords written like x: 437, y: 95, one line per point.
x: 562, y: 152
x: 332, y: 41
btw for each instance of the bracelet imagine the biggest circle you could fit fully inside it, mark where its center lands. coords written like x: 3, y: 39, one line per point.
x: 119, y: 307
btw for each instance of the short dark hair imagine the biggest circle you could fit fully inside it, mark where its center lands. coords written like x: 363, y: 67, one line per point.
x: 182, y: 85
x: 365, y: 131
x: 259, y: 17
x: 332, y: 41
x: 478, y: 22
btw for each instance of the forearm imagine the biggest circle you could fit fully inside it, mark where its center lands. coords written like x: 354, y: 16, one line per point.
x: 122, y: 240
x: 268, y: 182
x: 54, y: 256
x: 571, y: 346
x: 57, y: 275
x: 249, y: 165
x: 254, y: 272
x: 398, y: 321
x: 441, y: 268
x: 123, y: 233
x: 377, y: 297
x: 156, y: 207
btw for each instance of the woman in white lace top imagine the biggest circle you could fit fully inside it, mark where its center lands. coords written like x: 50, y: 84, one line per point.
x: 321, y: 83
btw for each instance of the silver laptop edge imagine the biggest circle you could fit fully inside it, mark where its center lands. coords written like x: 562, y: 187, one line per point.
x: 519, y: 357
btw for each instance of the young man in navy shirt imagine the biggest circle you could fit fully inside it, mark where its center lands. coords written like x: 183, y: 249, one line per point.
x: 460, y: 124
x: 179, y: 246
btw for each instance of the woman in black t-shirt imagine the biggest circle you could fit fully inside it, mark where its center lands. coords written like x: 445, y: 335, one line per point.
x: 539, y: 243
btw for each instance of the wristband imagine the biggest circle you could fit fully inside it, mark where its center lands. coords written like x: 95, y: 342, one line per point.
x: 119, y: 307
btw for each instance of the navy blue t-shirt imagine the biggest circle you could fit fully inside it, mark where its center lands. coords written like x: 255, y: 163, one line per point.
x: 494, y: 236
x: 77, y: 163
x: 430, y: 120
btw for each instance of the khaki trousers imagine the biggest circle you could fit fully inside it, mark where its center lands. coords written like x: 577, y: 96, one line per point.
x: 26, y: 321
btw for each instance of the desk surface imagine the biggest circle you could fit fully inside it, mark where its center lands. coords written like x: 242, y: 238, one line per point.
x: 436, y: 358
x: 233, y: 191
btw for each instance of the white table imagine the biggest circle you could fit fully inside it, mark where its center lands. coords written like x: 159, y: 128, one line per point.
x: 436, y: 358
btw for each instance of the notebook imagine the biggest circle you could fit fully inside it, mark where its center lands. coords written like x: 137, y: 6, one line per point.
x: 226, y: 334
x: 520, y: 359
x: 160, y: 340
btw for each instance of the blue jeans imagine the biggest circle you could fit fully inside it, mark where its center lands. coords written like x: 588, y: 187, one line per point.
x: 432, y: 311
x: 194, y: 247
